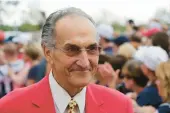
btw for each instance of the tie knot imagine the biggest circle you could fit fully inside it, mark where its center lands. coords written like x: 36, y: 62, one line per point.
x: 72, y: 104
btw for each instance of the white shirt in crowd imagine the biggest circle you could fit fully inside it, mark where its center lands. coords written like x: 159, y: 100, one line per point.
x: 16, y: 66
x: 62, y: 98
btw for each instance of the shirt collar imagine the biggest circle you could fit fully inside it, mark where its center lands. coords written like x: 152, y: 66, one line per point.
x: 62, y: 98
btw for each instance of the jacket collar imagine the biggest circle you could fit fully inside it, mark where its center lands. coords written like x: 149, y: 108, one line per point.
x: 94, y: 100
x: 42, y: 98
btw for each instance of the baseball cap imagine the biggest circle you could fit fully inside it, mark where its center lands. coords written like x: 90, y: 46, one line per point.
x: 151, y: 56
x: 151, y: 32
x: 139, y: 54
x: 120, y: 40
x: 154, y: 24
x: 105, y: 31
x: 22, y: 39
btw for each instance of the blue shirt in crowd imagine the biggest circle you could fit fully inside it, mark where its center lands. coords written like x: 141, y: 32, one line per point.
x: 164, y: 108
x: 108, y: 51
x: 149, y: 96
x: 37, y: 72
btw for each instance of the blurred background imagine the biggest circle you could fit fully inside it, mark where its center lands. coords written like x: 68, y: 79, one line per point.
x: 134, y: 36
x: 29, y: 15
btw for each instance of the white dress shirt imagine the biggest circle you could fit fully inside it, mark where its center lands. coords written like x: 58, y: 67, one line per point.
x: 62, y: 98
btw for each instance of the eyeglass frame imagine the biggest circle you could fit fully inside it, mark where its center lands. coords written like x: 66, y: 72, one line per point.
x: 80, y: 49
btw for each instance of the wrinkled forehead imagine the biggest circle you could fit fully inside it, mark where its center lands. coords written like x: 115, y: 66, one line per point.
x: 81, y: 42
x: 76, y: 30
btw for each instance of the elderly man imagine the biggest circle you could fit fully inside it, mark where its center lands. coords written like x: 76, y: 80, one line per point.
x: 70, y: 47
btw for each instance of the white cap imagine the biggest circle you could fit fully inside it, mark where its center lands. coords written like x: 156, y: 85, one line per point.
x: 22, y: 38
x: 105, y: 31
x: 151, y: 56
x: 139, y: 54
x: 154, y: 24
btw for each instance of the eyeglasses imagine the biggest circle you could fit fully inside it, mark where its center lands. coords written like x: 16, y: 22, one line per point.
x: 73, y: 50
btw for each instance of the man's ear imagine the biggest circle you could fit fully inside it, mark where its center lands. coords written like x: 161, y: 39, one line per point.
x: 47, y: 54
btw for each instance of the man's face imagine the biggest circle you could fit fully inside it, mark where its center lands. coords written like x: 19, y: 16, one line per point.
x: 129, y: 83
x: 69, y: 64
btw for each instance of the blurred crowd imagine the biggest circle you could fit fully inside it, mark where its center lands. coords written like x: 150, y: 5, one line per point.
x: 21, y: 63
x: 135, y: 63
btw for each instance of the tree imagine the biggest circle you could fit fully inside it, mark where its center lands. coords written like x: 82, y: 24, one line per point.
x: 5, y: 28
x: 118, y: 27
x: 4, y: 12
x: 108, y: 17
x: 28, y: 27
x: 20, y: 12
x: 163, y: 15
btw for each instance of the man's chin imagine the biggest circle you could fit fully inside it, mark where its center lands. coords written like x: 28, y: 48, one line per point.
x: 80, y: 74
x: 80, y: 79
x: 81, y: 82
x: 81, y: 85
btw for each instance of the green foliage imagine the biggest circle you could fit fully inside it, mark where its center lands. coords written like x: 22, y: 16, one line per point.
x: 118, y: 27
x: 28, y: 27
x: 5, y: 28
x: 23, y: 27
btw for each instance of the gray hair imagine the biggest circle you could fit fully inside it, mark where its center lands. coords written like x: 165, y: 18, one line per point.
x: 48, y: 31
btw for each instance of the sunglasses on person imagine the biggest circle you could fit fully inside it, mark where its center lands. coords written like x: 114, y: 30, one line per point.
x: 73, y: 50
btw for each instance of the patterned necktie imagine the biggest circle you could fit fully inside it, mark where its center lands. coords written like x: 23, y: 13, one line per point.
x: 72, y: 106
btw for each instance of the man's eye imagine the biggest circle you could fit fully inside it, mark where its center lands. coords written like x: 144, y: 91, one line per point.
x: 93, y: 48
x: 72, y: 49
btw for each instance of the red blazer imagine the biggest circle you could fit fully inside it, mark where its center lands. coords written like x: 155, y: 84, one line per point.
x: 37, y: 98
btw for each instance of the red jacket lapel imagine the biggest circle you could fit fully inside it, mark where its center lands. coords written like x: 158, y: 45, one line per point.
x: 42, y: 98
x: 94, y: 100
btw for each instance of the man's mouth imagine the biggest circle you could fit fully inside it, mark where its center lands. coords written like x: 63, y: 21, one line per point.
x: 82, y: 70
x: 87, y: 69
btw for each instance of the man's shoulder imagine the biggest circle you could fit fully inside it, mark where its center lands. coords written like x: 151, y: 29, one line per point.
x: 150, y: 90
x: 113, y: 100
x: 17, y: 96
x: 107, y: 92
x: 164, y: 108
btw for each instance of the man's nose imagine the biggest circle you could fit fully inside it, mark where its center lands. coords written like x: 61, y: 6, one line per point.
x: 83, y: 60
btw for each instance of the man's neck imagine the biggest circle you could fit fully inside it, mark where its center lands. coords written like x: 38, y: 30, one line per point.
x: 33, y: 63
x: 71, y: 90
x: 138, y: 89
